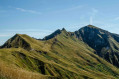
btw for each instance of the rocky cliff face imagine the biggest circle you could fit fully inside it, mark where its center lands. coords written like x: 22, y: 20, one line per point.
x: 94, y: 37
x: 105, y: 43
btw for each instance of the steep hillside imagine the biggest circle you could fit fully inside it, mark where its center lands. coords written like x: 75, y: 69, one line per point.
x: 11, y: 72
x: 57, y: 32
x: 23, y: 41
x: 105, y: 43
x: 17, y: 41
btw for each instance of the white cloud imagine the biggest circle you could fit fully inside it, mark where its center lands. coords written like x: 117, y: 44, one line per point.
x: 29, y: 11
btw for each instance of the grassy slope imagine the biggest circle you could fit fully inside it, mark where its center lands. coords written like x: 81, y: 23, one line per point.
x: 11, y: 72
x: 62, y: 57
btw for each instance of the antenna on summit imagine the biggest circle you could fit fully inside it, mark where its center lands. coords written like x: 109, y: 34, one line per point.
x: 91, y: 20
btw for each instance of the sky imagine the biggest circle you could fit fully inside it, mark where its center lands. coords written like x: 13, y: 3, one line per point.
x: 39, y: 18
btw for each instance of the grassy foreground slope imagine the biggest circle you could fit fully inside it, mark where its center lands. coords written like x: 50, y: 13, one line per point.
x: 61, y: 57
x: 11, y: 72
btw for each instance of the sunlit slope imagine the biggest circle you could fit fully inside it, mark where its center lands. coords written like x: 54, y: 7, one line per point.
x: 8, y: 71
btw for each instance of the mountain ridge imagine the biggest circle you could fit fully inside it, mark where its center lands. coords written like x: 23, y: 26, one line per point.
x: 101, y: 41
x: 64, y: 55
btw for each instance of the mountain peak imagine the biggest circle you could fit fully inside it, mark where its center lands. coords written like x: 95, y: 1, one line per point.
x: 91, y: 26
x: 57, y: 32
x: 52, y: 35
x: 16, y: 41
x: 17, y: 35
x: 63, y: 29
x: 20, y: 34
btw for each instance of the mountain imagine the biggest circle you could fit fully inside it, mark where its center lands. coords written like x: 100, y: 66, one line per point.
x: 57, y: 32
x: 105, y: 43
x: 61, y: 55
x: 17, y: 41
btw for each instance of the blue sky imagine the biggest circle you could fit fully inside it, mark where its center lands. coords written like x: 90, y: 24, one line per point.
x: 39, y: 18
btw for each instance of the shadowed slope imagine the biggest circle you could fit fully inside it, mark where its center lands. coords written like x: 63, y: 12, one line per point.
x: 105, y: 43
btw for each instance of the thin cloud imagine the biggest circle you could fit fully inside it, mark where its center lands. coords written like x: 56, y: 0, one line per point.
x: 94, y: 11
x: 31, y: 32
x: 27, y: 30
x: 93, y: 14
x: 28, y: 11
x: 117, y: 18
x: 4, y: 35
x: 75, y: 27
x: 69, y: 9
x: 91, y: 20
x: 73, y: 8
